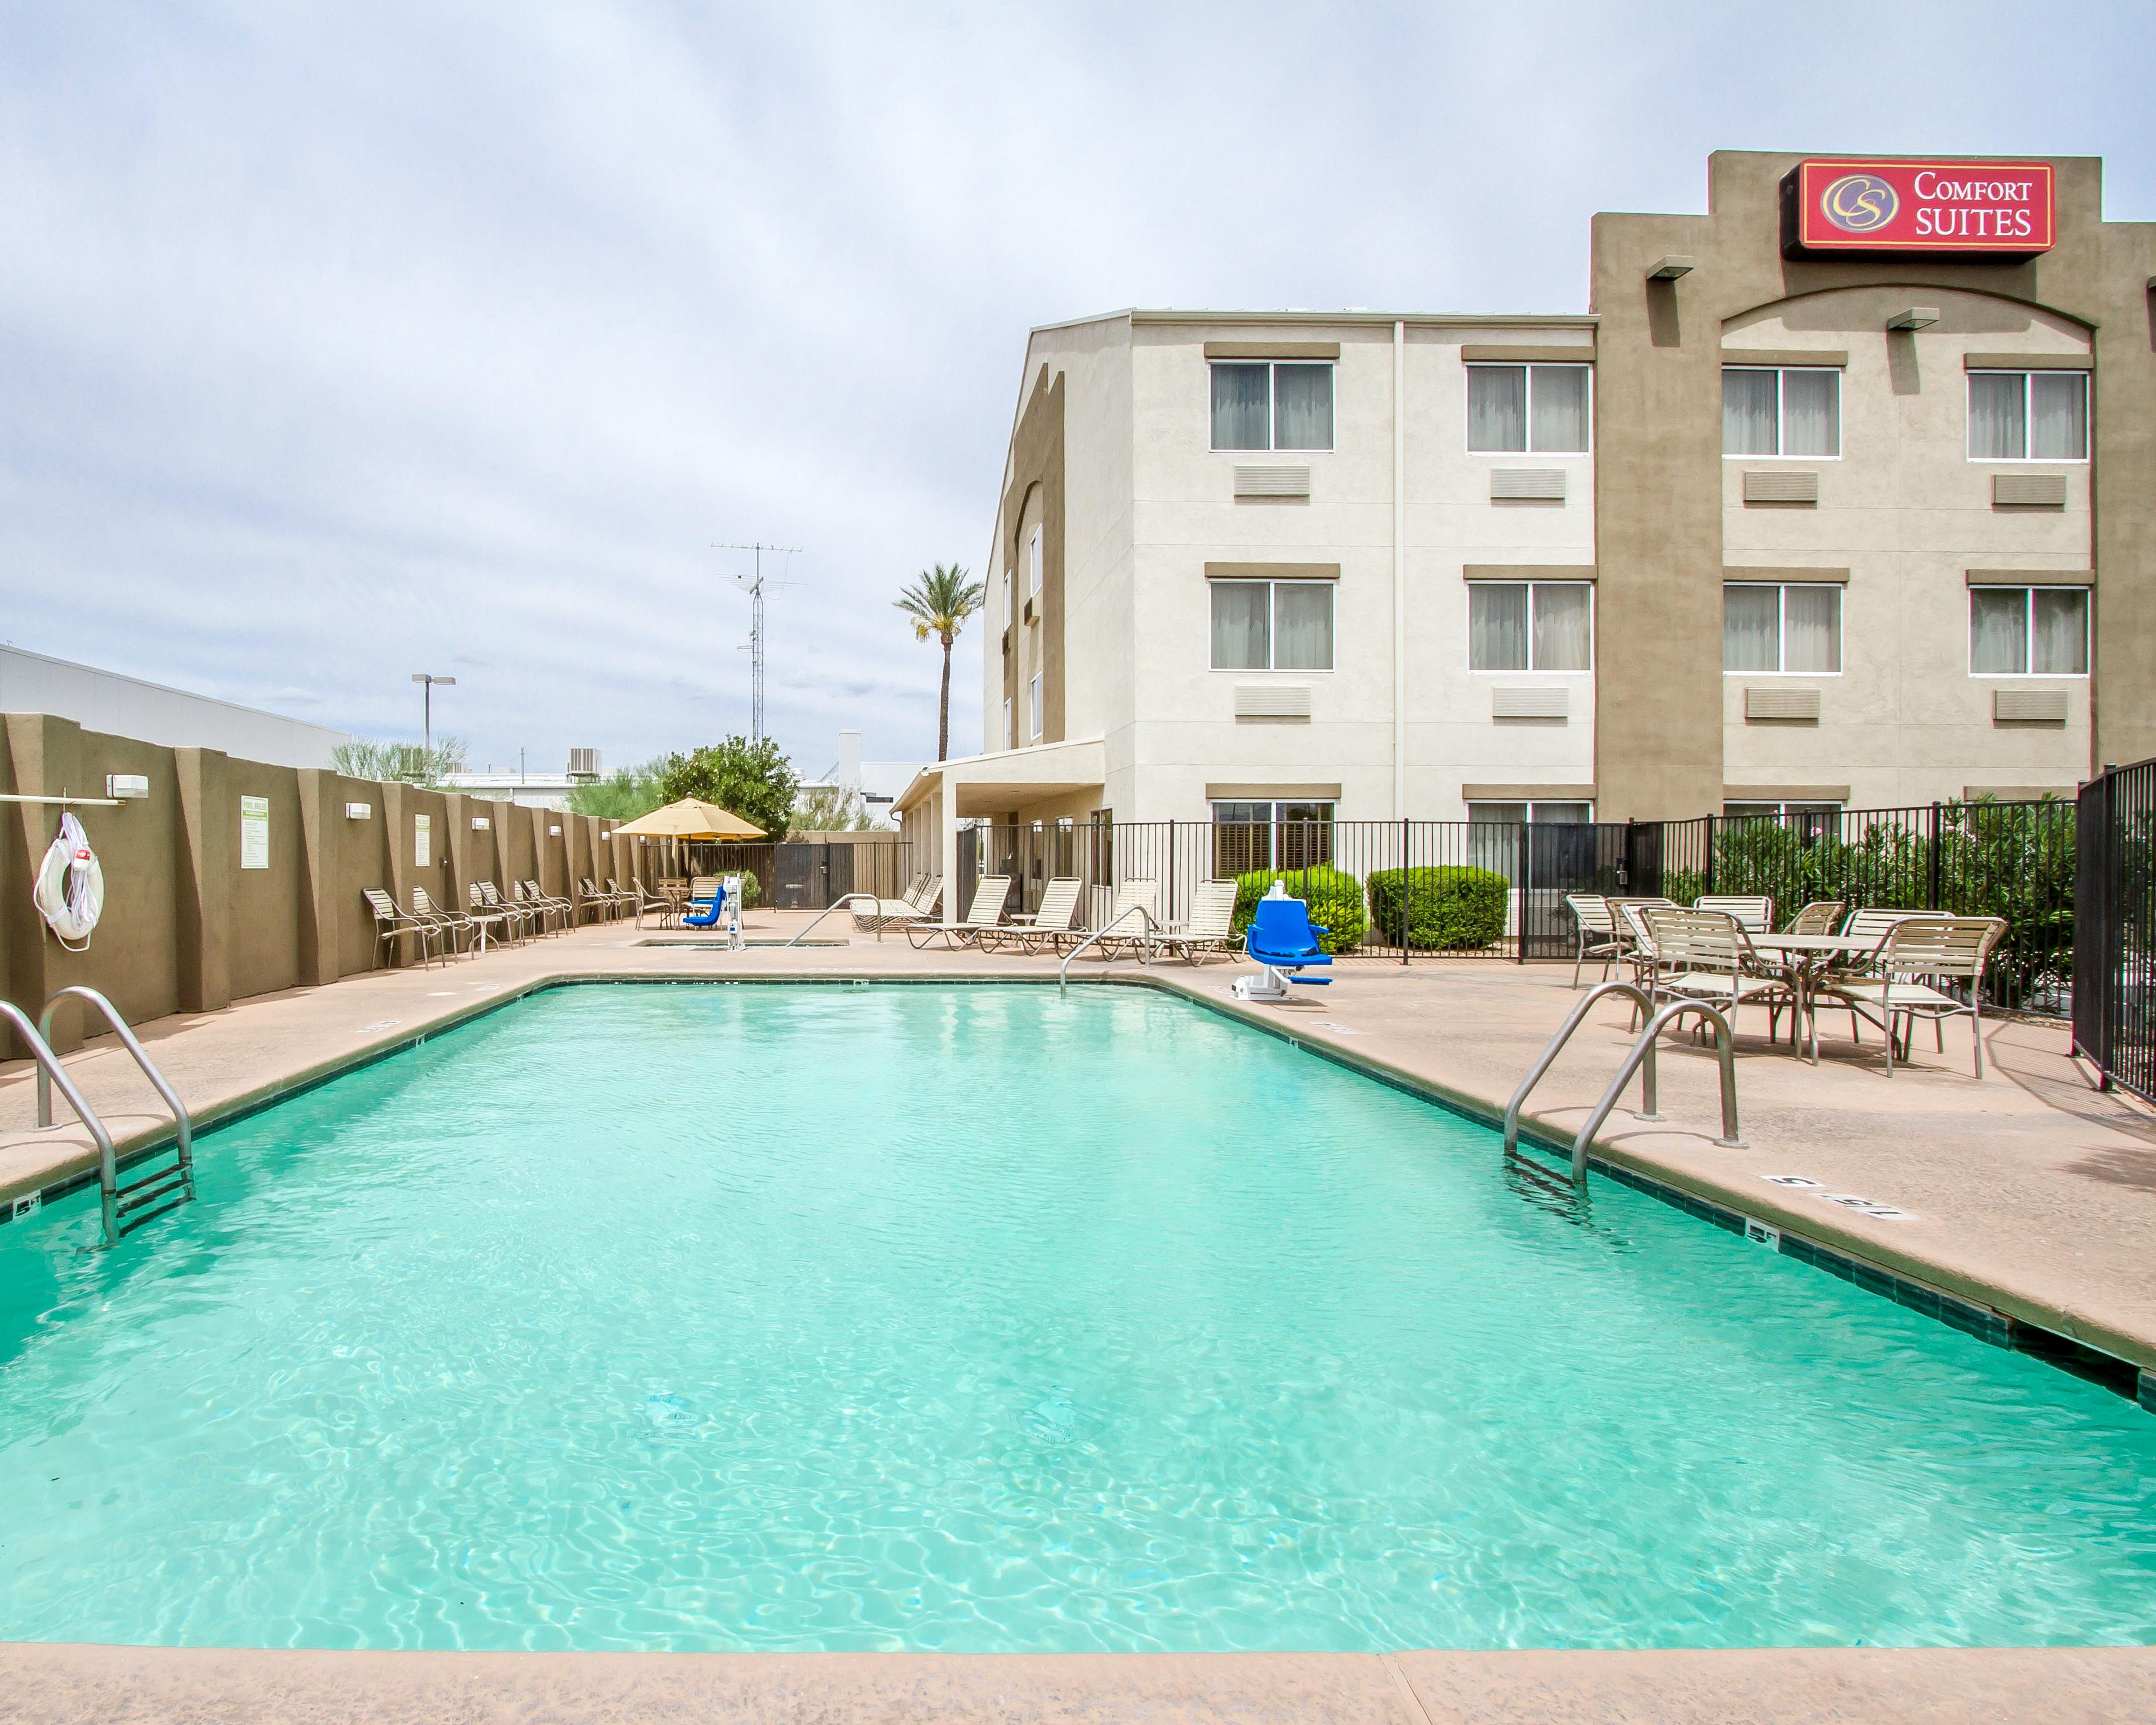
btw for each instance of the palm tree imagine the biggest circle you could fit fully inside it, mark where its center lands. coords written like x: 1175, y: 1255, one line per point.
x: 939, y: 601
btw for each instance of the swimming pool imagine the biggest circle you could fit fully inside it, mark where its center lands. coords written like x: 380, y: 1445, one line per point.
x: 992, y: 1318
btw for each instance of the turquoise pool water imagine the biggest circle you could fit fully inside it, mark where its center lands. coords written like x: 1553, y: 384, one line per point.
x: 992, y: 1319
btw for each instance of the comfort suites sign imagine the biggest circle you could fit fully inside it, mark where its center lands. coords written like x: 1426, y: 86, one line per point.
x: 2002, y: 208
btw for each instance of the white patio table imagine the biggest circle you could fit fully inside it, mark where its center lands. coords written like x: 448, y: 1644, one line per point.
x: 1805, y: 960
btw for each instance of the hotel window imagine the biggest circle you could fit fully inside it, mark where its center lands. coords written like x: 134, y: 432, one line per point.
x: 1264, y: 404
x: 1033, y: 702
x: 2028, y: 631
x: 2028, y: 416
x: 1553, y: 856
x: 1272, y: 625
x: 1270, y: 835
x: 1526, y: 410
x: 1010, y: 738
x: 1033, y: 563
x: 1769, y: 630
x: 1531, y: 813
x: 1009, y: 615
x: 1769, y: 410
x: 1530, y: 625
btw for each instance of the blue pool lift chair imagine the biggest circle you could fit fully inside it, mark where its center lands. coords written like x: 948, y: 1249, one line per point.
x: 723, y: 911
x: 1284, y: 940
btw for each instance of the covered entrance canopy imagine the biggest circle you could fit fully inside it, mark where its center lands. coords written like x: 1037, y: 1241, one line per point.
x: 1009, y: 781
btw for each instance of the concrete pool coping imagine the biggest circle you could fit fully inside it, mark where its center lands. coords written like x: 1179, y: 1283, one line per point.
x: 1993, y: 1174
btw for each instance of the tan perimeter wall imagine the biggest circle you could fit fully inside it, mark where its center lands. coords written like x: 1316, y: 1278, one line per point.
x: 185, y: 929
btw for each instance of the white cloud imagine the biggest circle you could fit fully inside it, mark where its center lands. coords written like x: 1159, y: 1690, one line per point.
x: 344, y: 344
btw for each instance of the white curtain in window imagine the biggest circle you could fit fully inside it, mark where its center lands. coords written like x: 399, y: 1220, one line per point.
x: 1811, y: 413
x: 1033, y: 562
x: 1751, y: 627
x: 1242, y: 403
x: 2058, y: 633
x: 2058, y: 416
x: 1302, y: 407
x: 1036, y: 706
x: 1497, y: 409
x: 1550, y: 814
x: 1009, y: 741
x: 1302, y: 625
x: 1999, y: 630
x: 1242, y: 636
x: 1811, y: 629
x: 1497, y: 625
x: 1560, y: 409
x: 1998, y: 430
x: 1562, y: 633
x: 1748, y: 412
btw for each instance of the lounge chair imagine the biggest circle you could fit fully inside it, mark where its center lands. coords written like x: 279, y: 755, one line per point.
x: 931, y: 898
x: 1209, y: 928
x: 1123, y: 932
x: 1757, y: 914
x: 1598, y: 937
x: 1284, y: 940
x: 492, y: 925
x: 987, y: 912
x: 452, y: 925
x: 1918, y: 951
x: 552, y: 904
x: 391, y: 924
x: 602, y: 906
x: 1045, y: 928
x: 871, y: 917
x: 524, y: 919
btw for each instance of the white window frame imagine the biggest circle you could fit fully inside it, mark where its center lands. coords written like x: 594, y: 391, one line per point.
x: 1010, y: 735
x: 1531, y: 805
x: 1467, y: 404
x: 1011, y: 588
x: 1782, y: 627
x: 1034, y: 703
x: 1271, y: 445
x: 1840, y: 441
x: 1786, y: 809
x: 2028, y: 418
x: 1530, y: 669
x: 1033, y: 563
x: 1274, y: 821
x: 2029, y: 628
x: 1272, y: 632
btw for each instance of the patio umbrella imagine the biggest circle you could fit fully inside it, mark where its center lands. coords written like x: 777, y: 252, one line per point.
x: 689, y: 818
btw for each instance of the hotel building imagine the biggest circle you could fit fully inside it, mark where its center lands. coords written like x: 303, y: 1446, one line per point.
x: 1841, y: 494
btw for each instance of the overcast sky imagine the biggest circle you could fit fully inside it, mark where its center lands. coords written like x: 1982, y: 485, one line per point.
x: 338, y: 343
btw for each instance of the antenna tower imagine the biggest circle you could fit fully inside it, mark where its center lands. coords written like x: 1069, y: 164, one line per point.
x: 755, y: 587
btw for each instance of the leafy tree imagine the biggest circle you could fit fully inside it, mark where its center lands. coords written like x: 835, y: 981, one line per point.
x: 751, y: 779
x: 623, y: 795
x: 939, y: 601
x: 832, y: 809
x: 409, y: 762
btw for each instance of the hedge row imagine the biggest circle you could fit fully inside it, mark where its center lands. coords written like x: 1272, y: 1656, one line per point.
x: 1456, y: 909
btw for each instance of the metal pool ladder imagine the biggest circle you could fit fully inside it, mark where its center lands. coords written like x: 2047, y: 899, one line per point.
x: 1641, y: 1056
x: 125, y: 1208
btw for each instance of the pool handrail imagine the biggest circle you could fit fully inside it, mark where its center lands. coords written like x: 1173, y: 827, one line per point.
x: 184, y: 1127
x: 1642, y: 1002
x: 1063, y: 970
x: 108, y: 1171
x: 1643, y: 1049
x: 837, y: 904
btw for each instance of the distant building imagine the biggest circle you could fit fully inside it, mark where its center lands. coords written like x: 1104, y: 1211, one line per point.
x: 530, y: 790
x: 150, y: 712
x: 876, y: 783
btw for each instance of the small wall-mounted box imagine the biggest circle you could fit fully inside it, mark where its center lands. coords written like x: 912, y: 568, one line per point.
x: 1531, y: 703
x: 2029, y: 706
x: 359, y: 811
x: 1272, y: 481
x: 1775, y: 703
x: 1768, y: 486
x: 480, y: 822
x: 2029, y: 491
x: 1527, y: 484
x: 553, y: 832
x: 126, y: 786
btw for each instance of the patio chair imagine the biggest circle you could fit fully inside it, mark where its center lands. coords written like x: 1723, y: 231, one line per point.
x: 1757, y: 914
x: 1595, y: 924
x: 552, y: 904
x: 454, y: 926
x: 492, y: 925
x: 391, y: 924
x: 541, y: 914
x: 1045, y: 928
x: 1284, y: 940
x: 1209, y: 929
x: 987, y: 912
x: 636, y: 900
x: 1128, y: 933
x: 1817, y: 918
x: 524, y: 919
x: 511, y: 920
x: 869, y: 918
x: 1707, y: 956
x: 1917, y: 952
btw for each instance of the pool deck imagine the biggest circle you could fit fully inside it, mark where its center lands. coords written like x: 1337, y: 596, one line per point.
x: 2029, y: 1194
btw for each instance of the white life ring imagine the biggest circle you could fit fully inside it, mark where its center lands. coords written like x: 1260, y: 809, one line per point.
x: 71, y: 890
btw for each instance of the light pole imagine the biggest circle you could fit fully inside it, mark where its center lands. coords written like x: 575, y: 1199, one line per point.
x: 431, y: 682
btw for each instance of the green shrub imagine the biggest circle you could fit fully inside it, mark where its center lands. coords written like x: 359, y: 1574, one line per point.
x: 1335, y: 899
x: 1453, y: 910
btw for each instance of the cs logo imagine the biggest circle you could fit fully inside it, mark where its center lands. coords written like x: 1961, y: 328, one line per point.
x: 1857, y: 203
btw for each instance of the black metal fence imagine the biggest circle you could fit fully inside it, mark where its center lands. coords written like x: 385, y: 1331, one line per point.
x: 1400, y: 889
x: 805, y: 876
x: 2114, y: 989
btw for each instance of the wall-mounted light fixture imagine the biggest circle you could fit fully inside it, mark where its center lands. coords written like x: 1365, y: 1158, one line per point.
x: 359, y: 811
x: 480, y: 822
x: 1670, y: 269
x: 126, y: 786
x: 553, y: 832
x: 1917, y: 317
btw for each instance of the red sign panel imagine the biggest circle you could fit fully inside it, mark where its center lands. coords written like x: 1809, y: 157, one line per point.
x: 1995, y: 207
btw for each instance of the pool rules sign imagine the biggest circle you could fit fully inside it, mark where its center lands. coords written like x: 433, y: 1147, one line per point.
x: 1996, y: 209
